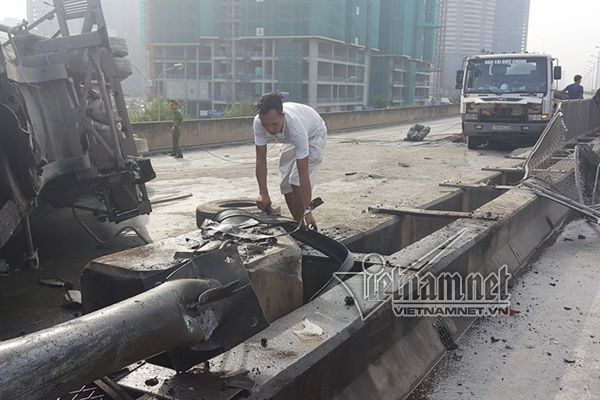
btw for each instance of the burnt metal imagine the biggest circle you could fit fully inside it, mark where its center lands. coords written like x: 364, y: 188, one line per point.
x: 199, y: 309
x: 336, y: 252
x: 66, y: 133
x: 102, y: 287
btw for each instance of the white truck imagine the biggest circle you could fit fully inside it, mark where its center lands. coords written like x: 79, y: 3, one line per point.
x: 507, y: 97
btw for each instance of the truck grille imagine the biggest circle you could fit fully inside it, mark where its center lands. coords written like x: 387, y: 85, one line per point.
x: 501, y: 112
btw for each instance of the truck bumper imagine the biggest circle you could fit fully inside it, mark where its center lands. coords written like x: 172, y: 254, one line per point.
x: 503, y: 131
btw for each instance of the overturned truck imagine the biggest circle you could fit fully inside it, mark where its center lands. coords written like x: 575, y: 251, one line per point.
x: 66, y: 139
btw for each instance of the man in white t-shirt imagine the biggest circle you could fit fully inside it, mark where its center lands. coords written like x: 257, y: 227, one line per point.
x: 304, y: 132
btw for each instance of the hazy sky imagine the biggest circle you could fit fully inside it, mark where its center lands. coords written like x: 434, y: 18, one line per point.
x: 566, y: 29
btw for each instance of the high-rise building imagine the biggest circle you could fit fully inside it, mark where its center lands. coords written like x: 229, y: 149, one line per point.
x: 469, y: 29
x: 317, y: 52
x: 511, y: 26
x: 476, y: 26
x: 408, y: 37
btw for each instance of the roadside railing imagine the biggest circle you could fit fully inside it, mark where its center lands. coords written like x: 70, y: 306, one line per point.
x: 556, y: 159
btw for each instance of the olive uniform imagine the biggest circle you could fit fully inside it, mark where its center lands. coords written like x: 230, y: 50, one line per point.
x: 177, y: 119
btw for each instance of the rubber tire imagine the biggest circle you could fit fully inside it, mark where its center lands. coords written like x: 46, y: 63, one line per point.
x: 208, y: 210
x: 124, y: 68
x: 474, y: 142
x: 118, y: 46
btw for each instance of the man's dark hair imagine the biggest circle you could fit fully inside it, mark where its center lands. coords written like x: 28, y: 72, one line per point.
x: 270, y: 101
x: 577, y: 78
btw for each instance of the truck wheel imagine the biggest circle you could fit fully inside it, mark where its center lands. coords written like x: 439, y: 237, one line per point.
x: 124, y: 68
x: 118, y: 46
x: 208, y: 210
x: 474, y: 142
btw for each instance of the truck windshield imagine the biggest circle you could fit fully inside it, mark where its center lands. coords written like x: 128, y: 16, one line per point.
x: 507, y: 75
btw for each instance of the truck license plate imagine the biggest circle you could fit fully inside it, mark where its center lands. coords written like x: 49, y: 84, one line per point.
x: 500, y: 127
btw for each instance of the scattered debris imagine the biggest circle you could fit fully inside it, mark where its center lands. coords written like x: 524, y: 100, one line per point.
x: 73, y: 298
x: 519, y: 154
x: 349, y: 300
x: 238, y: 380
x: 309, y: 330
x: 581, y: 237
x: 57, y: 283
x: 552, y: 284
x: 494, y: 340
x: 458, y: 138
x: 170, y: 198
x: 417, y: 132
x: 263, y: 342
x: 403, y: 165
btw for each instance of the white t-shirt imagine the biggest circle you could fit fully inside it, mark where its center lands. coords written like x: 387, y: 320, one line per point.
x: 303, y: 128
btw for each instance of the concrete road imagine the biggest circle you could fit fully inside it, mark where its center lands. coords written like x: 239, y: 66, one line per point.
x: 361, y: 169
x: 549, y: 351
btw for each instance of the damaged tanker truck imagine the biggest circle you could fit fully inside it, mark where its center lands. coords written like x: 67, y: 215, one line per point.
x: 65, y: 138
x: 507, y: 98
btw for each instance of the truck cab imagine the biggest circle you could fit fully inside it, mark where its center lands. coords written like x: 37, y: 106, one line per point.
x: 507, y: 98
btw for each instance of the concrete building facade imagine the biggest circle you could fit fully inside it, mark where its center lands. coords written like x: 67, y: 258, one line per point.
x: 317, y: 52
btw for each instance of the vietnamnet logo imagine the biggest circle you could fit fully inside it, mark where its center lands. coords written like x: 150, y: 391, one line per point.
x: 423, y: 293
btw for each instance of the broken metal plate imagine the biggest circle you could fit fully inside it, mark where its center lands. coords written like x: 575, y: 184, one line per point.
x: 169, y: 385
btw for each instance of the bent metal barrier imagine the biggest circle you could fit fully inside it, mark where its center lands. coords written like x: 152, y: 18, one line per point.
x: 553, y: 158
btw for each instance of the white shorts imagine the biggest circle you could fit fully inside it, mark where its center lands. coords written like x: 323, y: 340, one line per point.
x: 288, y: 170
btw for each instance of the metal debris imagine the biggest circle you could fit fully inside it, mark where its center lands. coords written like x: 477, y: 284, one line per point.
x: 417, y: 132
x: 238, y: 380
x: 73, y: 298
x: 57, y: 283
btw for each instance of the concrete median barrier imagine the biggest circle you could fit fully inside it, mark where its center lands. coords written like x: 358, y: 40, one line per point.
x: 211, y: 132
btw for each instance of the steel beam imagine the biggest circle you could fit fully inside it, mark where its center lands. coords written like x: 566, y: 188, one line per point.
x: 49, y: 363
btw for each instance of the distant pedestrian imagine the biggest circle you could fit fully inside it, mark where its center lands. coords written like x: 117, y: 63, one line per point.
x: 175, y: 128
x: 575, y: 90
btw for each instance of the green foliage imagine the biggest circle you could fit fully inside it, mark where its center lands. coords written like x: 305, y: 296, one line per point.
x: 379, y: 101
x: 240, y: 110
x: 150, y: 113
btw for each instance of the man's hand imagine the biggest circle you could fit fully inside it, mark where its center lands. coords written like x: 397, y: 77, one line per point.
x: 263, y: 201
x: 309, y: 220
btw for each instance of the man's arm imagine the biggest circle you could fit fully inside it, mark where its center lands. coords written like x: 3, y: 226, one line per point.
x: 261, y: 177
x: 305, y: 184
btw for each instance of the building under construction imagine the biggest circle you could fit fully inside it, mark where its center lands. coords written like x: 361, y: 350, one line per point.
x: 403, y: 67
x: 233, y: 51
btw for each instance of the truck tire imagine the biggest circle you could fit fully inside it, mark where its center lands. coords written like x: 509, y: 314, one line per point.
x: 124, y: 68
x: 118, y: 46
x: 208, y: 210
x: 474, y: 142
